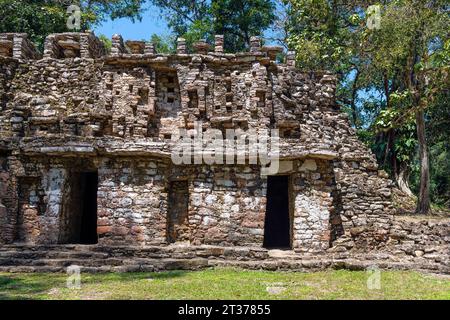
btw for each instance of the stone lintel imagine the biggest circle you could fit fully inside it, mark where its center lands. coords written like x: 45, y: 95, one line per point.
x: 322, y: 154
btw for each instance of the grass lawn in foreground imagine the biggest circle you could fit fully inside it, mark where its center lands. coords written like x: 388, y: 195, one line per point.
x: 227, y: 284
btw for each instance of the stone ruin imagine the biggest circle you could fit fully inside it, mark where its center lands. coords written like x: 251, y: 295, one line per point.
x: 86, y: 142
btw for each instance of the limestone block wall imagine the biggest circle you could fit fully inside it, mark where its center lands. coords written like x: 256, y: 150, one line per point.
x: 132, y: 202
x: 54, y: 183
x: 128, y: 95
x: 226, y: 205
x: 421, y: 237
x: 50, y: 98
x: 122, y: 98
x: 225, y: 96
x: 4, y: 203
x: 314, y: 192
x: 366, y: 205
x: 80, y: 110
x: 34, y: 203
x: 9, y: 166
x: 7, y: 72
x: 17, y: 45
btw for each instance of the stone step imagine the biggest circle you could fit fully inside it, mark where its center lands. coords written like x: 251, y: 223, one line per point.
x: 127, y: 258
x: 140, y: 252
x: 94, y: 255
x: 16, y: 265
x: 61, y: 262
x: 119, y: 251
x: 135, y: 250
x: 53, y: 255
x: 31, y: 269
x: 151, y: 265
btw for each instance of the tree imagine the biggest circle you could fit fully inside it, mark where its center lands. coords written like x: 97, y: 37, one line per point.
x: 163, y: 44
x: 94, y: 12
x: 402, y: 60
x: 237, y: 20
x: 280, y: 27
x: 39, y: 18
x: 438, y: 137
x: 327, y: 35
x: 412, y: 36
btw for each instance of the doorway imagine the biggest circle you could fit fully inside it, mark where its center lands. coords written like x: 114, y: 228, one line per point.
x: 79, y: 223
x: 277, y: 227
x: 88, y: 229
x: 178, y: 218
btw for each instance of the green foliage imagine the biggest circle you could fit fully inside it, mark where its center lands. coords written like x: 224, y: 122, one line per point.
x: 405, y: 61
x: 406, y: 143
x: 438, y: 136
x: 237, y: 20
x: 324, y: 33
x: 163, y: 44
x: 106, y: 42
x: 411, y: 49
x: 39, y: 18
x: 199, y: 29
x: 96, y: 11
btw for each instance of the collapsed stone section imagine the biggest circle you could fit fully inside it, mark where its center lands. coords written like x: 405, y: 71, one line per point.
x: 73, y: 45
x: 65, y: 120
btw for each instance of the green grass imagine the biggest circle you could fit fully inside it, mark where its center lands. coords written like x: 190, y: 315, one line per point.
x: 226, y: 284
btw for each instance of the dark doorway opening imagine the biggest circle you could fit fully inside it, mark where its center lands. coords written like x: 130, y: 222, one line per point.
x: 88, y: 229
x: 277, y: 228
x: 178, y: 219
x: 79, y: 223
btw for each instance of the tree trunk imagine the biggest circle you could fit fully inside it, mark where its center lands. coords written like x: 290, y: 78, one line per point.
x: 353, y: 102
x: 402, y: 180
x: 423, y: 203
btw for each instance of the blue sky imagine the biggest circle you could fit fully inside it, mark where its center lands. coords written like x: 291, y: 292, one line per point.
x: 152, y: 22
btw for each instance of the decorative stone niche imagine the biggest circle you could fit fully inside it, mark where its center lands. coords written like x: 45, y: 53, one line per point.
x: 288, y: 129
x: 119, y: 111
x: 193, y: 98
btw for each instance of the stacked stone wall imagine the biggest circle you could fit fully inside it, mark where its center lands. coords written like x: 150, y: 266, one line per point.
x: 79, y: 110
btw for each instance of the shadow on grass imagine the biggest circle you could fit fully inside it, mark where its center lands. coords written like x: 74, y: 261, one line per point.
x: 36, y: 285
x: 25, y: 287
x: 132, y: 276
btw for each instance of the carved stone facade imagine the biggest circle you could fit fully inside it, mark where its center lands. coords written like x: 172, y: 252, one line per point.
x: 80, y: 129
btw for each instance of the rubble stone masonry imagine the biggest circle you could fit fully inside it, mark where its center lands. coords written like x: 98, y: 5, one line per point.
x: 76, y: 110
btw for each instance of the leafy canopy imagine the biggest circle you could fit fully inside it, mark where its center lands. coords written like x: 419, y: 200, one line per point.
x: 237, y: 20
x: 39, y: 18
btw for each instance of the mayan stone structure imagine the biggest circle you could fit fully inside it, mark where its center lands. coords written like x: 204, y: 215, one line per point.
x: 86, y: 143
